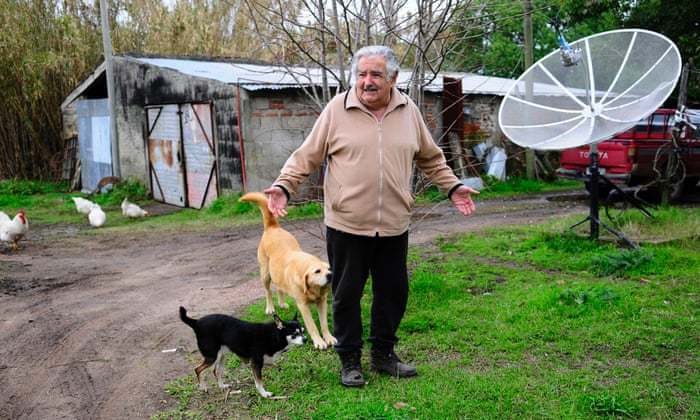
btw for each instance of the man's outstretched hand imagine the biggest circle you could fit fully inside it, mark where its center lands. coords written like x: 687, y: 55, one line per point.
x: 277, y: 201
x: 461, y: 198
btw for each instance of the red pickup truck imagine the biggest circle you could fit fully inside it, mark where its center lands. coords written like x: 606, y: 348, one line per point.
x: 627, y: 159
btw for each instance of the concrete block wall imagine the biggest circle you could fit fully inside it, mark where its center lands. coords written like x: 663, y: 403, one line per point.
x: 276, y: 123
x: 279, y: 121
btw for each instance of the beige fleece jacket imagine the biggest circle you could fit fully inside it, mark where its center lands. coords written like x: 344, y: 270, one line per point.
x: 367, y: 183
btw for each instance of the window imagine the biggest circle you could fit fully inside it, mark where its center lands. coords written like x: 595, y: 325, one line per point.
x: 658, y: 123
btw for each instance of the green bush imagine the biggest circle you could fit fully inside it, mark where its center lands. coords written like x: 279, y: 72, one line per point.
x: 310, y: 209
x: 25, y: 188
x: 132, y: 190
x: 228, y: 205
x: 430, y: 195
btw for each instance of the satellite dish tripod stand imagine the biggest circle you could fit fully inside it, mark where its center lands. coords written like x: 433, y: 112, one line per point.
x: 594, y: 181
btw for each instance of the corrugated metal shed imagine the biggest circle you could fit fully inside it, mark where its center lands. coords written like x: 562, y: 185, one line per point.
x: 268, y: 114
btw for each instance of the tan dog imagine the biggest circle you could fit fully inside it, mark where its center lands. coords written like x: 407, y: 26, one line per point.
x: 300, y: 275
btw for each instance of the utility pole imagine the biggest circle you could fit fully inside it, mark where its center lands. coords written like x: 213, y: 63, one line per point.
x: 678, y: 126
x: 527, y: 32
x: 111, y: 97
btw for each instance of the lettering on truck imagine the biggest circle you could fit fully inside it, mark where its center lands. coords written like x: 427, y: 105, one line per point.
x: 587, y: 154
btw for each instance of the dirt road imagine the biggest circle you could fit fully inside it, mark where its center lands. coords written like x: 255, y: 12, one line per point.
x: 84, y: 319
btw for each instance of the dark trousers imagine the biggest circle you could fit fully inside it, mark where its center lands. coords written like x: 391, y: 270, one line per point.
x: 352, y: 259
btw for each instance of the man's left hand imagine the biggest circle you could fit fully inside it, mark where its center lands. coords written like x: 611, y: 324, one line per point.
x: 461, y: 198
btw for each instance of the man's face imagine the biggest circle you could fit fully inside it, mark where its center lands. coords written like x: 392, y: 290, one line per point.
x: 373, y: 85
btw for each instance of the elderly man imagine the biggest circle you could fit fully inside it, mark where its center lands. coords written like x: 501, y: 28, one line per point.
x: 369, y: 137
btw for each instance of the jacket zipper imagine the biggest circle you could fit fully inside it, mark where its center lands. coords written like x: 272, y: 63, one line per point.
x: 381, y: 175
x: 381, y: 168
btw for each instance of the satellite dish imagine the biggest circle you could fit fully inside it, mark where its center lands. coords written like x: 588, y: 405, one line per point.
x: 588, y: 91
x: 620, y: 77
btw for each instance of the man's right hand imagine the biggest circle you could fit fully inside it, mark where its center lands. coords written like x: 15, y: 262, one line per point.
x: 276, y: 201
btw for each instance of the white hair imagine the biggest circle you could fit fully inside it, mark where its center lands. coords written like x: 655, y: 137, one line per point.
x: 392, y: 64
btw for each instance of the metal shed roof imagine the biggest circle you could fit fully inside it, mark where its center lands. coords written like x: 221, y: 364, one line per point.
x: 256, y: 77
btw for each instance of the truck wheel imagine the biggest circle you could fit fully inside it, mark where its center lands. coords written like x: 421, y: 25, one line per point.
x: 688, y: 187
x: 690, y: 184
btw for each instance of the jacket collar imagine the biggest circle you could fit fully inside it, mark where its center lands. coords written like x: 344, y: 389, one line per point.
x: 397, y: 99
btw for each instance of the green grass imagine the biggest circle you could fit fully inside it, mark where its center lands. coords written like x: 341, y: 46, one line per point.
x: 512, y: 322
x: 532, y: 322
x: 674, y: 222
x: 516, y: 186
x: 50, y: 204
x: 511, y: 187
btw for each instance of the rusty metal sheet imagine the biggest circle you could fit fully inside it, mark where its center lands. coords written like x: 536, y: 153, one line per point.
x: 453, y: 106
x: 200, y: 155
x: 164, y: 156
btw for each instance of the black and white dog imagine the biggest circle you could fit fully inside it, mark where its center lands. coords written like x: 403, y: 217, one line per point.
x: 256, y: 343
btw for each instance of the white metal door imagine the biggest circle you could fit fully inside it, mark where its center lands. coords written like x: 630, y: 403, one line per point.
x: 200, y: 154
x: 165, y: 154
x: 95, y: 145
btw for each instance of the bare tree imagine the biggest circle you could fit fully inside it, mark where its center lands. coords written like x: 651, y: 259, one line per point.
x: 54, y: 45
x: 418, y: 32
x: 340, y: 47
x: 322, y: 40
x: 429, y: 42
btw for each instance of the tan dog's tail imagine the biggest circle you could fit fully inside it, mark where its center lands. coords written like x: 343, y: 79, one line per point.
x: 256, y: 197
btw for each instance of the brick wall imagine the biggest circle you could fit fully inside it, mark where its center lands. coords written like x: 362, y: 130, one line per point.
x: 484, y: 117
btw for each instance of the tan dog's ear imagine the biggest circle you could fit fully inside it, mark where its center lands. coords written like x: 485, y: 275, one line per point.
x: 306, y: 282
